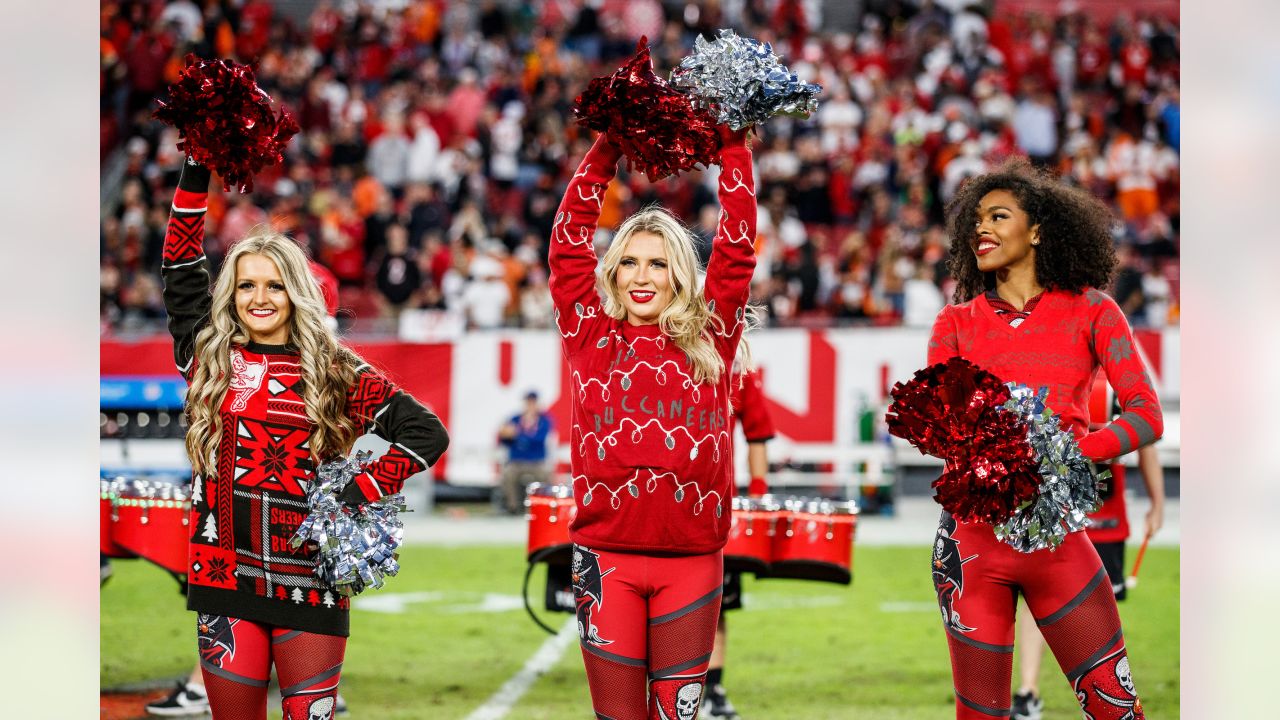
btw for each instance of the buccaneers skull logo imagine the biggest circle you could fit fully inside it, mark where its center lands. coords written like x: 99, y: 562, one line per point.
x: 588, y: 592
x: 1107, y: 691
x: 216, y: 639
x: 948, y: 574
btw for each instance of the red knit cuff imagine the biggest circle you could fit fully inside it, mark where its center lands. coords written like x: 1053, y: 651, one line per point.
x: 758, y: 486
x: 362, y: 489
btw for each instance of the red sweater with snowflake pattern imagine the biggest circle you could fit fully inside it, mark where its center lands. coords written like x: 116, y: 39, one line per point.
x: 240, y: 561
x: 1063, y: 344
x: 651, y: 451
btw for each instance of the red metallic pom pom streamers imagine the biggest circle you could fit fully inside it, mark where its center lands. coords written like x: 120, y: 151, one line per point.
x: 950, y: 411
x: 225, y: 120
x: 656, y: 127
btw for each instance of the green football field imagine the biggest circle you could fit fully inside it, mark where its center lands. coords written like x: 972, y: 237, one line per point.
x: 447, y: 633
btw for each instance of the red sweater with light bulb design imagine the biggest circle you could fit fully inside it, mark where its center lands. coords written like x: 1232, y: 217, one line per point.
x: 240, y: 562
x: 651, y: 450
x: 1063, y: 344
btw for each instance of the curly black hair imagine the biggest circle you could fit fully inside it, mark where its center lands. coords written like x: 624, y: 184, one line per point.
x: 1075, y: 251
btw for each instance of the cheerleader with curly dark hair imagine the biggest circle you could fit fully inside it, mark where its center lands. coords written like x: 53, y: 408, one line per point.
x: 1028, y: 254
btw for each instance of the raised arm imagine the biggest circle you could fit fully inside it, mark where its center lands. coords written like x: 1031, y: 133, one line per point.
x: 417, y: 436
x: 572, y: 256
x: 184, y: 268
x: 1140, y: 421
x: 733, y: 254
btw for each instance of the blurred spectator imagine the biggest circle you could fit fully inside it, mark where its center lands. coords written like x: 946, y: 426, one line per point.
x: 398, y: 277
x: 1158, y: 294
x: 922, y: 300
x: 453, y: 120
x: 486, y: 297
x: 1127, y: 287
x: 525, y: 436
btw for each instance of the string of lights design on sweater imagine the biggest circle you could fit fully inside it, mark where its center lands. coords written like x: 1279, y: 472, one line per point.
x: 660, y: 374
x: 630, y: 363
x: 651, y: 486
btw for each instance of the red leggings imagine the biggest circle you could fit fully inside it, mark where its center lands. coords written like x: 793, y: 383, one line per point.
x: 978, y: 579
x: 646, y: 625
x: 236, y: 657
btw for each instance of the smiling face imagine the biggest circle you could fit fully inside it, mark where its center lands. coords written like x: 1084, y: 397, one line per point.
x: 1003, y: 240
x: 262, y: 304
x: 643, y: 278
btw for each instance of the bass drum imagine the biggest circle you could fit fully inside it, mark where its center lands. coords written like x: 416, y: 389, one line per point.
x: 815, y: 541
x: 549, y: 510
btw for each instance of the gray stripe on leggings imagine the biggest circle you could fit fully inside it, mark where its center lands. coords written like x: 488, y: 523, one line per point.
x: 620, y: 659
x: 1005, y: 649
x: 677, y: 669
x: 298, y: 687
x: 993, y: 712
x: 228, y: 675
x: 1093, y: 659
x: 1075, y: 601
x: 285, y: 637
x: 700, y: 602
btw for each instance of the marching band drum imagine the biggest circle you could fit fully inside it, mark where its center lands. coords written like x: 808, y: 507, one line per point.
x: 550, y: 510
x: 799, y: 537
x: 147, y: 517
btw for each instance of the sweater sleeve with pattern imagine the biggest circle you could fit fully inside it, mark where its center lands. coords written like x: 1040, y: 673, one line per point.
x: 733, y: 259
x: 572, y: 256
x: 184, y: 267
x: 417, y: 436
x: 1141, y: 421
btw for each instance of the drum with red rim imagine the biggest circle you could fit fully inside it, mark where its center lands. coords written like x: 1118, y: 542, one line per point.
x: 150, y: 518
x: 750, y: 545
x: 550, y: 509
x: 814, y: 541
x: 108, y: 495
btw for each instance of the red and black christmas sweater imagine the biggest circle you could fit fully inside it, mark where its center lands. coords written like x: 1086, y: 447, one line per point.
x: 1062, y: 345
x: 240, y: 562
x: 651, y: 450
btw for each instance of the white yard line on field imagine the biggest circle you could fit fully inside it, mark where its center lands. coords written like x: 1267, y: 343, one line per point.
x: 501, y: 702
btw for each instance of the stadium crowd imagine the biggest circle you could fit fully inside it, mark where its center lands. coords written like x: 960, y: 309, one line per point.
x: 437, y: 138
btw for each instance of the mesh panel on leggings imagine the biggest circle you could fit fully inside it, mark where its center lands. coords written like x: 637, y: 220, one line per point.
x: 617, y: 690
x: 670, y: 643
x: 1085, y: 631
x: 231, y: 700
x: 308, y: 656
x: 981, y: 676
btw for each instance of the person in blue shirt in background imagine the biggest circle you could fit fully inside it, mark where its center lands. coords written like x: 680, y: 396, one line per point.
x: 525, y: 436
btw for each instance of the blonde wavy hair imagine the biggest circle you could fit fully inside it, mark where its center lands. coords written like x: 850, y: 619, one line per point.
x: 687, y: 320
x: 328, y: 368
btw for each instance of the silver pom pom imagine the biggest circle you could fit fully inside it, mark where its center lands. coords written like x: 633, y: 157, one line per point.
x: 1068, y: 482
x: 356, y: 547
x: 742, y: 82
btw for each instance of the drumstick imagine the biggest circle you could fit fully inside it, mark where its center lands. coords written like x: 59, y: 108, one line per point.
x: 1132, y: 580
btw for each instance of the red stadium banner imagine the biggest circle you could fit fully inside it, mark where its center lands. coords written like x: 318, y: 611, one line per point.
x: 816, y: 381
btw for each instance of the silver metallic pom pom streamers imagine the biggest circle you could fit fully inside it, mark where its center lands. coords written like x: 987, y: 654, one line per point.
x: 742, y: 82
x: 356, y: 547
x: 1068, y: 486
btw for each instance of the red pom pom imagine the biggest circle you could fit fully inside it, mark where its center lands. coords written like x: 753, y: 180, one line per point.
x: 225, y: 120
x: 655, y: 126
x: 951, y: 411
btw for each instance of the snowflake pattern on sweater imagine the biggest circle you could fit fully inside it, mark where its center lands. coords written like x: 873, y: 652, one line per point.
x: 651, y: 451
x: 240, y: 562
x: 1063, y: 345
